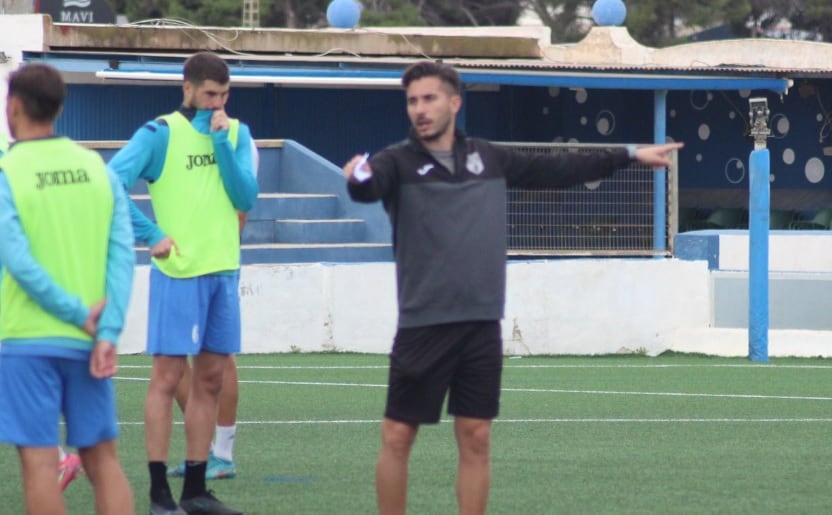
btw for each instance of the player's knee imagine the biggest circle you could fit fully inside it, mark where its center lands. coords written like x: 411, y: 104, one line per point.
x: 208, y: 382
x: 164, y: 383
x: 166, y: 376
x: 398, y: 437
x: 475, y: 438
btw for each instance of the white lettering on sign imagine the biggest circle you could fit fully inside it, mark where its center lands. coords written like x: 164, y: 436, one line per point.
x: 77, y: 17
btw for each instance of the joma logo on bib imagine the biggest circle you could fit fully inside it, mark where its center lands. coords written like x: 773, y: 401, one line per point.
x: 200, y: 160
x: 61, y: 178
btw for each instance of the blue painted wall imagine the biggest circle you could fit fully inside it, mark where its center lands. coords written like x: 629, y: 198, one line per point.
x: 106, y: 112
x: 714, y: 126
x: 339, y: 123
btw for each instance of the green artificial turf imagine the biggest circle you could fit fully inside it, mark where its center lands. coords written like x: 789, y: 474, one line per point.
x: 617, y: 434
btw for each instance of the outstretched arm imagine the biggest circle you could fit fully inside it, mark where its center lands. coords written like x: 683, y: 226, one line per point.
x: 567, y: 169
x: 657, y: 155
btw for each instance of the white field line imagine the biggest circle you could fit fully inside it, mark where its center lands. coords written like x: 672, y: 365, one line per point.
x: 748, y: 366
x: 295, y: 383
x: 545, y: 421
x: 672, y: 394
x: 546, y: 390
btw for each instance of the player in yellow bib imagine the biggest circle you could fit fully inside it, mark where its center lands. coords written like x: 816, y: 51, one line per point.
x: 197, y: 162
x: 67, y: 258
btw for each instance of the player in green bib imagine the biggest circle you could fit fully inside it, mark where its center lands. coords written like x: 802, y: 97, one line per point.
x: 69, y: 464
x: 197, y: 162
x: 67, y: 259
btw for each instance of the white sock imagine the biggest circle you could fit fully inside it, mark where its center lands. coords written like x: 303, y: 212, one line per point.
x: 61, y: 454
x: 223, y: 445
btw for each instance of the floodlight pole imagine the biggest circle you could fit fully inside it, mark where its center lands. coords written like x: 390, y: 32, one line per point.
x: 759, y: 201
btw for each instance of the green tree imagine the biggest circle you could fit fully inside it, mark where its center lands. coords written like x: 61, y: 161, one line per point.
x: 813, y: 15
x: 658, y: 22
x: 391, y: 13
x: 440, y: 13
x: 563, y: 17
x: 214, y: 13
x: 293, y: 14
x: 470, y: 12
x: 138, y: 10
x: 651, y: 22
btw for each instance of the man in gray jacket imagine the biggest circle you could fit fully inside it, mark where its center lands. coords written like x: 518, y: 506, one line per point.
x: 445, y: 194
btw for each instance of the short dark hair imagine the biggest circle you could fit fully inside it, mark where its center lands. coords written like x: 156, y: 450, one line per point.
x: 445, y: 73
x: 41, y: 90
x: 204, y: 66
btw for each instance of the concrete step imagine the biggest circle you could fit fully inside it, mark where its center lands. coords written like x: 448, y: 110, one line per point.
x: 274, y: 206
x: 319, y: 231
x: 303, y: 253
x: 300, y: 206
x: 304, y: 231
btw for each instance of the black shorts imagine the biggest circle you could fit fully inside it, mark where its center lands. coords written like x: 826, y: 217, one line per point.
x: 462, y: 359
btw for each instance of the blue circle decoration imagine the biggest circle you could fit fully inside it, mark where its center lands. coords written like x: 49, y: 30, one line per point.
x: 343, y: 14
x: 609, y: 12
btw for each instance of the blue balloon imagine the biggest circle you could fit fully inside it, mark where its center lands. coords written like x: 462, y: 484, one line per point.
x: 343, y: 14
x: 609, y: 12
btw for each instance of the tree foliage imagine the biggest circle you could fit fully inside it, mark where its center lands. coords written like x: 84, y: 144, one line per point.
x: 813, y: 15
x: 651, y: 22
x: 312, y: 13
x: 564, y: 17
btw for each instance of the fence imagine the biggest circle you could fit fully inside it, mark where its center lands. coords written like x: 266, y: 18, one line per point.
x: 612, y: 217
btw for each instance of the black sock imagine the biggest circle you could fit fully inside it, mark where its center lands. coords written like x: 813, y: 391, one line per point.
x: 194, y: 479
x: 159, y: 489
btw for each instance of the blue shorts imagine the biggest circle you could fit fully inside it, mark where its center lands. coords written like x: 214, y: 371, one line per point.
x: 187, y: 316
x: 36, y: 390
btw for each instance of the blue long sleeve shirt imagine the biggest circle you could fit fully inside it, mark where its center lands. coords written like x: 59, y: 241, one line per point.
x: 143, y: 157
x: 16, y: 257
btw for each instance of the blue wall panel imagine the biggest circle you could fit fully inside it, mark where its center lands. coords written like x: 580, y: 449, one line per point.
x: 105, y: 112
x: 605, y: 116
x: 257, y: 107
x: 714, y: 126
x: 338, y: 124
x: 482, y: 120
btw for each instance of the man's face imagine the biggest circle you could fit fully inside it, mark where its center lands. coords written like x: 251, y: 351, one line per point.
x: 432, y: 108
x: 209, y: 95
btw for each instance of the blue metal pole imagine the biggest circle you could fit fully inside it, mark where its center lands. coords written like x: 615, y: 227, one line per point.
x: 660, y: 174
x: 758, y: 232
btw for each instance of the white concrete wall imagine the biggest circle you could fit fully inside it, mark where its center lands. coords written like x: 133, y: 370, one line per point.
x: 553, y: 307
x: 18, y: 32
x: 571, y: 306
x: 789, y: 251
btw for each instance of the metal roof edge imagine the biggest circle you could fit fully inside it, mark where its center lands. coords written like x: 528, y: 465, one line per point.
x: 369, y: 73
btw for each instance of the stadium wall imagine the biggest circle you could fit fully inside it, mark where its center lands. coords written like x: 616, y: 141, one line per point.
x: 569, y: 306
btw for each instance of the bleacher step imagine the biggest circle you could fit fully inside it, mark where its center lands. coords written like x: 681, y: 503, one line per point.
x: 303, y: 253
x: 273, y: 206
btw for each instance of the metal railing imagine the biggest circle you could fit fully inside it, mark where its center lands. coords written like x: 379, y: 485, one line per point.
x: 612, y: 217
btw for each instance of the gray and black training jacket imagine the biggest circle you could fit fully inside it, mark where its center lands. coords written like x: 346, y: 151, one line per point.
x: 449, y: 226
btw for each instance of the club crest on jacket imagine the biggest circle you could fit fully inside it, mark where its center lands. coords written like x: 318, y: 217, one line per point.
x: 474, y: 163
